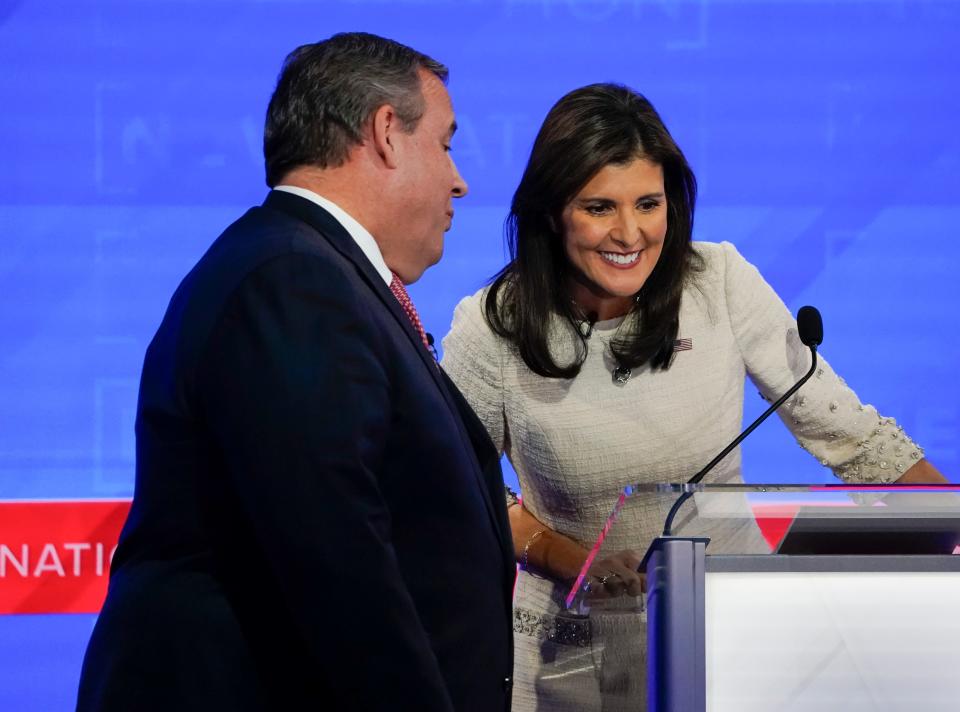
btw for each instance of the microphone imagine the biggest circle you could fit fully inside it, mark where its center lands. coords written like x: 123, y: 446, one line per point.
x: 810, y: 329
x: 810, y: 326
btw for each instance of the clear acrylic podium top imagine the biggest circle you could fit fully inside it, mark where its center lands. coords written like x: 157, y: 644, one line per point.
x: 780, y: 519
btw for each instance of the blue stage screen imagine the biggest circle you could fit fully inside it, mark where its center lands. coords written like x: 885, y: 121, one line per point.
x: 823, y: 135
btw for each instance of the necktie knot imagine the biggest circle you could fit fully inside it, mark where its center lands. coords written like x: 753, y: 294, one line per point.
x: 400, y: 292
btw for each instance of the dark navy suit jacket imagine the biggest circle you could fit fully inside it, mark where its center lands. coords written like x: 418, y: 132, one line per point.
x: 318, y: 521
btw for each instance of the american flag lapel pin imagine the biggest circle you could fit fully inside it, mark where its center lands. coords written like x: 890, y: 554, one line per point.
x: 683, y: 345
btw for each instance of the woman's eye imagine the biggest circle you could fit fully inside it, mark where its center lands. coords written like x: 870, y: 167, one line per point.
x: 648, y: 205
x: 596, y: 209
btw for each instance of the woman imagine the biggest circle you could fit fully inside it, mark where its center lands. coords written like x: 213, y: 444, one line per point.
x: 612, y: 350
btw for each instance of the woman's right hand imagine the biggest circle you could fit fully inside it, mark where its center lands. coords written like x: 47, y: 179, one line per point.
x: 617, y: 575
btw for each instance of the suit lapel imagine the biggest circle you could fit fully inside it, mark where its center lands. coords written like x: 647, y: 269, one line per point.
x: 338, y: 237
x: 328, y: 226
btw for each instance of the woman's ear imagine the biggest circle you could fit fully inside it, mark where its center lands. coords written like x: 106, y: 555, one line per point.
x: 384, y: 128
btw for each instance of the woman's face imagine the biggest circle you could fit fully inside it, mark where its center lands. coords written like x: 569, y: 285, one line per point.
x: 613, y: 232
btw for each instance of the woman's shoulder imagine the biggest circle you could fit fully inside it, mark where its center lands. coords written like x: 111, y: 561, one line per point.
x: 718, y: 262
x: 470, y: 309
x: 471, y: 350
x: 715, y: 255
x: 717, y: 272
x: 469, y: 328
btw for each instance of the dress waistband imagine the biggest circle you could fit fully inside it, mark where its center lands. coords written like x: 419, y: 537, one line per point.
x: 563, y: 630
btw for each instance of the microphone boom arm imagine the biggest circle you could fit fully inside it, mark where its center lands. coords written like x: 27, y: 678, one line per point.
x: 668, y: 524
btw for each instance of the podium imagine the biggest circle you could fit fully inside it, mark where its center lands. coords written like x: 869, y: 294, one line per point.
x: 798, y: 597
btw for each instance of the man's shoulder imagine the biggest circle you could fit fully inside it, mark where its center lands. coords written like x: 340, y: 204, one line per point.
x: 262, y: 234
x: 264, y: 251
x: 255, y: 244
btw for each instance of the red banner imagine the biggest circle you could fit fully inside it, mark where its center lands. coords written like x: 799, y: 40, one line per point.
x: 55, y: 556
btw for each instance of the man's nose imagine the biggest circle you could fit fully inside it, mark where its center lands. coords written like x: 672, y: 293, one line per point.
x: 460, y: 187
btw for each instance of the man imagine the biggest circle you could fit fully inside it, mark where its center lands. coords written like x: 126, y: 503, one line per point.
x: 318, y: 520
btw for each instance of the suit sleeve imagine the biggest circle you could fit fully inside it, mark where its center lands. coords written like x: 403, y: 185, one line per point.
x: 295, y: 389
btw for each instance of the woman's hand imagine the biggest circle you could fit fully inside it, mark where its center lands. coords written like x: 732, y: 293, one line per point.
x: 545, y: 552
x: 617, y: 575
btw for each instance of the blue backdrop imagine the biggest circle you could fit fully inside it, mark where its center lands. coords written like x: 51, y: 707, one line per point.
x: 824, y: 136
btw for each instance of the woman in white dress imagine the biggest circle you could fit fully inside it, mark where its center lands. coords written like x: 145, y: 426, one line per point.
x: 611, y: 350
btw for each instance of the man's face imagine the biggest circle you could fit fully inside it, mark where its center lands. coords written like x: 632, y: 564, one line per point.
x: 426, y: 184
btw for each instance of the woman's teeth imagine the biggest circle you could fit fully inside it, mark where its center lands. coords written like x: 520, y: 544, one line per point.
x: 619, y: 258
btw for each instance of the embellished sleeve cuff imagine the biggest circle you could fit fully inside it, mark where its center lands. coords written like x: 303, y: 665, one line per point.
x: 883, y: 456
x: 846, y: 435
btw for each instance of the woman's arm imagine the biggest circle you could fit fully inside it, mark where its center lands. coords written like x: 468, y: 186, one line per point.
x: 828, y: 419
x: 541, y: 550
x: 922, y: 473
x: 545, y: 552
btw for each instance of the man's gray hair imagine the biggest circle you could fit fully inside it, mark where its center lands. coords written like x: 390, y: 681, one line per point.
x: 327, y: 92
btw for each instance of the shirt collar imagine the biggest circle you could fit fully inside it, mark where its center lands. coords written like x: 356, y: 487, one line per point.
x: 358, y: 232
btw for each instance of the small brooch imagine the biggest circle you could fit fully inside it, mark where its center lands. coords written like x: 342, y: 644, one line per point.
x: 621, y: 374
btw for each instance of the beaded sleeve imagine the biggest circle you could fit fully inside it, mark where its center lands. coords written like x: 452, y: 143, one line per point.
x: 826, y: 416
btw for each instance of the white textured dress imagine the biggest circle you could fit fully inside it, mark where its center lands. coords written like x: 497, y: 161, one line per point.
x: 576, y: 443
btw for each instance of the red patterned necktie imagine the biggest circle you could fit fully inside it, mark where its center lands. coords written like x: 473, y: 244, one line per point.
x: 400, y: 292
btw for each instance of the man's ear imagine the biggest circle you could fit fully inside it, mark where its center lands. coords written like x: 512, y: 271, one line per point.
x: 384, y: 129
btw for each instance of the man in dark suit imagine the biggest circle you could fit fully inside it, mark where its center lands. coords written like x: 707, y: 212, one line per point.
x: 318, y: 521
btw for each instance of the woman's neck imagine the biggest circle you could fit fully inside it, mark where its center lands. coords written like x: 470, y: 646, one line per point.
x: 598, y: 307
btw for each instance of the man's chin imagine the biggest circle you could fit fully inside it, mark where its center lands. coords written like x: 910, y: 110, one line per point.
x: 419, y: 263
x: 433, y: 257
